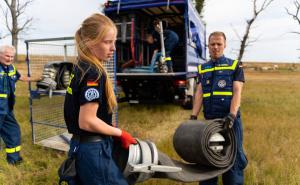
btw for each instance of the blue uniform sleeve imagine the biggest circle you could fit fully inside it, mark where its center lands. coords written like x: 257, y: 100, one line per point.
x: 239, y: 73
x: 91, y: 87
x: 156, y: 38
x: 18, y: 75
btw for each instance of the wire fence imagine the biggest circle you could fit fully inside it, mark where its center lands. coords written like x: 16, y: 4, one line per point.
x: 46, y: 105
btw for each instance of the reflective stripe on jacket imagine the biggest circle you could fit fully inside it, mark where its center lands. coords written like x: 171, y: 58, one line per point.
x: 217, y: 86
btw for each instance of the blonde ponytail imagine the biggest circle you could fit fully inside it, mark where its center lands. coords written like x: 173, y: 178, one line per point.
x: 92, y: 31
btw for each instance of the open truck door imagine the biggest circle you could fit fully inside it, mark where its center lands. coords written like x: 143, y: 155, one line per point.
x: 137, y: 63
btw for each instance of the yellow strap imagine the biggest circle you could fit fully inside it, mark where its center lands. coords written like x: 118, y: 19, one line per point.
x: 168, y: 59
x: 217, y: 93
x: 13, y: 150
x: 206, y: 70
x: 205, y: 95
x: 10, y: 73
x: 232, y: 67
x: 3, y: 95
x: 69, y: 90
x: 71, y: 77
x: 199, y: 68
x: 13, y: 72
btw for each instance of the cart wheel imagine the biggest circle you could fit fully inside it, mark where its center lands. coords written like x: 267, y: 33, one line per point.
x: 188, y: 103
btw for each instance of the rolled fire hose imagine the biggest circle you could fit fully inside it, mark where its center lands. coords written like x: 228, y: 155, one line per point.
x: 207, y: 148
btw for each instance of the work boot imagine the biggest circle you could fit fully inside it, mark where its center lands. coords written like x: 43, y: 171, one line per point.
x: 17, y: 162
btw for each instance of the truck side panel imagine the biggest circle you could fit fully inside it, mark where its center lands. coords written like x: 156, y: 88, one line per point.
x: 196, y: 43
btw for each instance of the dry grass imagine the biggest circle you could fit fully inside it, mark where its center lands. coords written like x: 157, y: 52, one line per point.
x: 270, y: 106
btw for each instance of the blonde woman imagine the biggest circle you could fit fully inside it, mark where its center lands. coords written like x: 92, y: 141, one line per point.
x: 89, y: 103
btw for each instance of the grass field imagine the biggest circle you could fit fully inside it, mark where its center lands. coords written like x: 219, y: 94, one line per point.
x: 270, y: 112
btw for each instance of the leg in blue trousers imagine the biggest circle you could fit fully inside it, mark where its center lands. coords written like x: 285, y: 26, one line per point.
x: 95, y: 165
x: 11, y: 135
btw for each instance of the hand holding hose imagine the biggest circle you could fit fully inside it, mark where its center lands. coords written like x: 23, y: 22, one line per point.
x: 193, y: 117
x: 228, y: 121
x: 126, y: 139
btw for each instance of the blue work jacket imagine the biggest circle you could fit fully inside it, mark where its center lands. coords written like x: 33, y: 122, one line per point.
x: 216, y: 78
x: 8, y: 78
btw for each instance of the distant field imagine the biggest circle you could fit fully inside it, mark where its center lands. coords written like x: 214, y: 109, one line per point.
x: 264, y: 66
x: 270, y: 111
x: 256, y: 66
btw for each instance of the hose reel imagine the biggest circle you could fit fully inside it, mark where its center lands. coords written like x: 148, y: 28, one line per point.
x: 207, y: 143
x: 142, y: 161
x: 207, y: 149
x: 55, y: 76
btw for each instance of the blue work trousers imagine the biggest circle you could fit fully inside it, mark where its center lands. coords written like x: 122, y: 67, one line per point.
x: 234, y: 176
x: 171, y: 41
x: 11, y: 135
x: 95, y: 165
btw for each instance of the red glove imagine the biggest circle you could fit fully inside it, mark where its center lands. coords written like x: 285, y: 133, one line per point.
x: 126, y: 139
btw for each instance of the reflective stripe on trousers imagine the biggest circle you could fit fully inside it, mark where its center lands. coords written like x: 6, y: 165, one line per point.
x: 13, y: 150
x: 11, y: 135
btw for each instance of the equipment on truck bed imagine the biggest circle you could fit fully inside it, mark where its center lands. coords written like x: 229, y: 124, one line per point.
x: 145, y: 81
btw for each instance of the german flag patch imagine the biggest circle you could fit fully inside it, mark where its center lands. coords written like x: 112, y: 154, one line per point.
x: 91, y: 83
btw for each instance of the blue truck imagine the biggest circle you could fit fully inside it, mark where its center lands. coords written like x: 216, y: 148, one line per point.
x: 137, y: 66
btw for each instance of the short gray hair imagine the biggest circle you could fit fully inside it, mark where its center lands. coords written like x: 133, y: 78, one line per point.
x: 218, y: 33
x: 7, y: 47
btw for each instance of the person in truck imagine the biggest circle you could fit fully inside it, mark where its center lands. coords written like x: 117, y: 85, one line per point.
x: 170, y: 41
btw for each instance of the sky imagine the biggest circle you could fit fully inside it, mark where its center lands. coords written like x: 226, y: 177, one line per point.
x: 272, y: 29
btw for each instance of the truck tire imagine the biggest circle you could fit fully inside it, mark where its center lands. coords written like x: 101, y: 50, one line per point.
x: 188, y: 103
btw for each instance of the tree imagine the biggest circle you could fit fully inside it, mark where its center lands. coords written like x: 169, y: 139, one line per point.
x: 296, y: 15
x: 199, y: 5
x: 14, y: 14
x: 257, y: 10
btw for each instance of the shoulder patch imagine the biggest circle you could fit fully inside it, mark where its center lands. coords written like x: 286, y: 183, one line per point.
x: 91, y: 94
